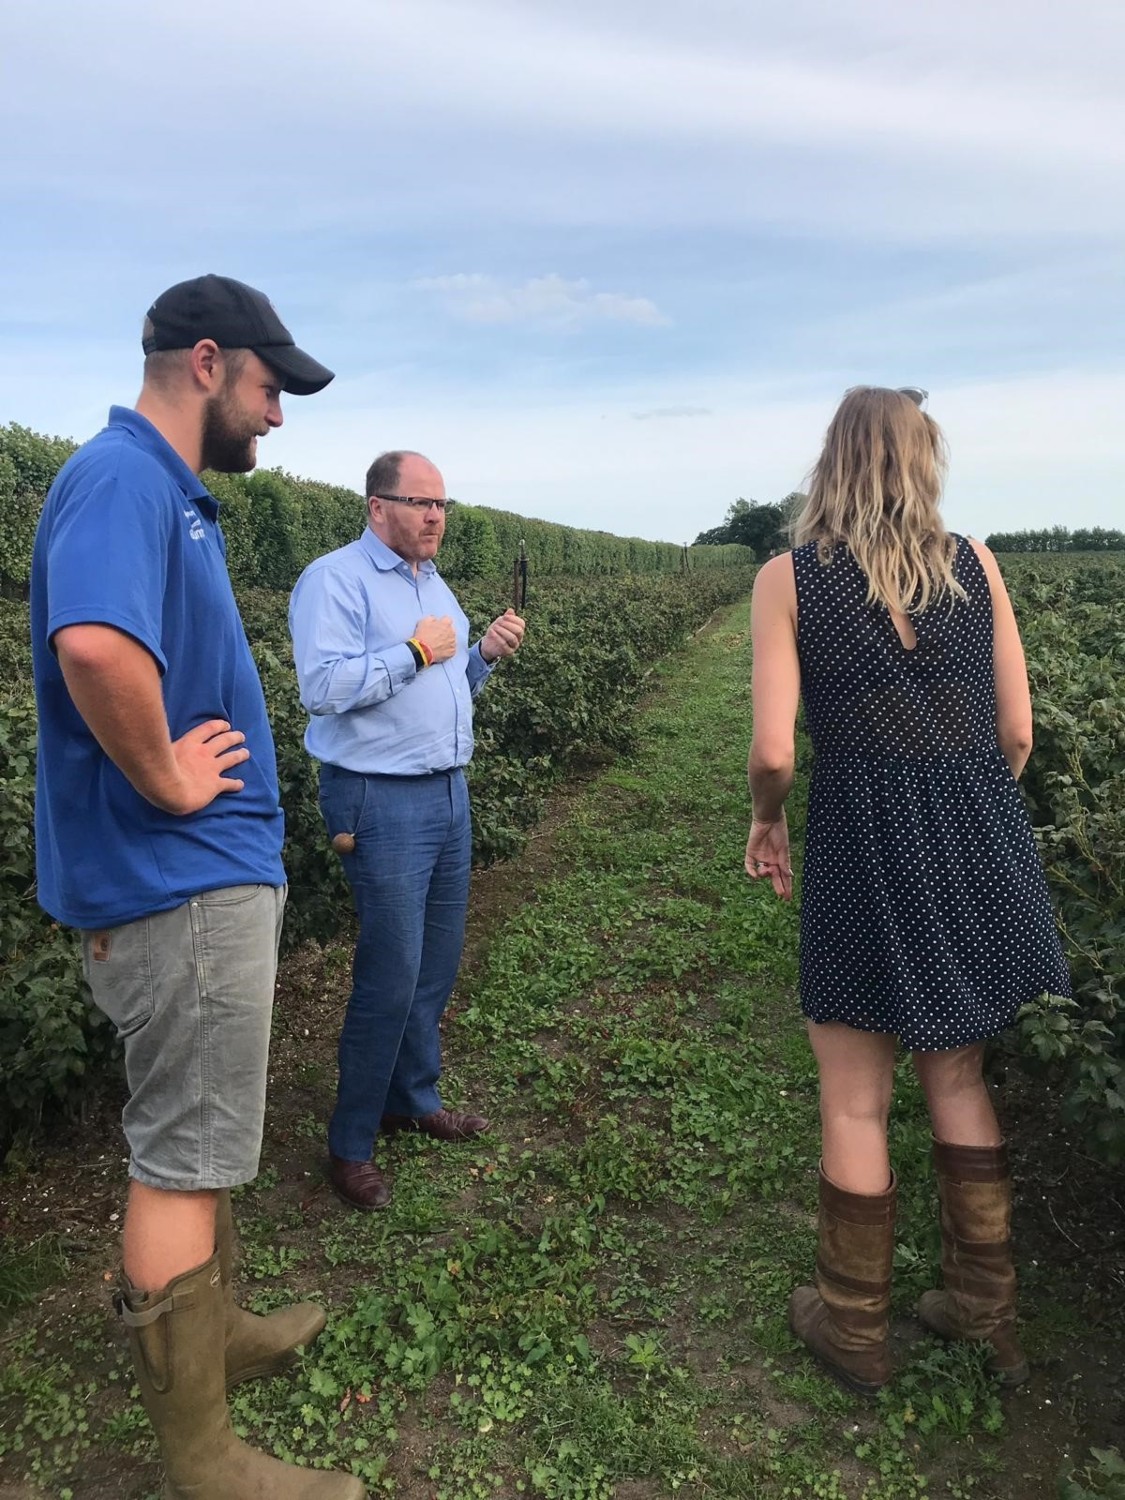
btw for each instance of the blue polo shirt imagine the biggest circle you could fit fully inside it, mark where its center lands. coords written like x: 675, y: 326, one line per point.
x: 129, y: 537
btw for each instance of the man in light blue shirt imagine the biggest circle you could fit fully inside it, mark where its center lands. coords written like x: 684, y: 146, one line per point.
x: 388, y: 676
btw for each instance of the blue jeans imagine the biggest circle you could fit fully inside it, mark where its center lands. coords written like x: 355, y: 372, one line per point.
x: 409, y: 876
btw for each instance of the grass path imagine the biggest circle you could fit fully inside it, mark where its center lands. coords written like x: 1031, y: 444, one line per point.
x: 589, y: 1303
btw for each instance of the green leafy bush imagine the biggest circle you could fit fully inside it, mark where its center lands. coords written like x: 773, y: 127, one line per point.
x: 28, y: 463
x: 1074, y: 636
x: 567, y: 696
x: 49, y: 1034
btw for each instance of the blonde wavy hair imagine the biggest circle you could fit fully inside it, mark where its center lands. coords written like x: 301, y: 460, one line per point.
x: 876, y: 488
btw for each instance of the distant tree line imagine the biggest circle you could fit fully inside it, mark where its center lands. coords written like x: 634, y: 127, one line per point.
x: 1058, y: 539
x: 765, y: 528
x: 750, y: 523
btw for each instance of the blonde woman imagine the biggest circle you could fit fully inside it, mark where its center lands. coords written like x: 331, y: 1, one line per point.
x: 925, y: 917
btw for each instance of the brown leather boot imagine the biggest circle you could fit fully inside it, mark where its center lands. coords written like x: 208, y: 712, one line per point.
x: 978, y: 1303
x: 258, y: 1346
x: 843, y: 1319
x: 177, y: 1337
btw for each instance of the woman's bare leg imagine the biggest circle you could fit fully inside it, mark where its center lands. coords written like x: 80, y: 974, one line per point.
x: 961, y: 1111
x: 856, y: 1078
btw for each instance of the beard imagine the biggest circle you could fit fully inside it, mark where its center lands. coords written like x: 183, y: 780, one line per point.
x: 228, y: 435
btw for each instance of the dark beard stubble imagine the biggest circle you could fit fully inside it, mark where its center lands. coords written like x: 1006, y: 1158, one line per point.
x: 227, y: 437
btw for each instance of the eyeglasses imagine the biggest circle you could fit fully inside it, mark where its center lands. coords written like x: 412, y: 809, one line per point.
x: 914, y: 393
x: 416, y: 502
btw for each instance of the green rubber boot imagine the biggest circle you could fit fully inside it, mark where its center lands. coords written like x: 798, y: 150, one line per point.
x: 177, y: 1337
x: 257, y: 1346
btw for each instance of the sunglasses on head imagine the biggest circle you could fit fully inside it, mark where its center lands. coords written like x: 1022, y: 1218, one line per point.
x: 914, y: 393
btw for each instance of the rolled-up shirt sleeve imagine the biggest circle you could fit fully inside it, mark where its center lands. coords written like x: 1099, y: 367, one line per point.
x: 336, y: 672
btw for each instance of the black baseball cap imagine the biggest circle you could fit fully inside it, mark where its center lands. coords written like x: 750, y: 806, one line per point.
x: 236, y: 317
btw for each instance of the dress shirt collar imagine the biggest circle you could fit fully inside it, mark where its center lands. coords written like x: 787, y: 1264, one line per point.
x: 387, y: 560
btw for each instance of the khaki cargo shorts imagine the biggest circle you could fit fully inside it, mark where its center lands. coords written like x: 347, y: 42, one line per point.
x: 190, y: 992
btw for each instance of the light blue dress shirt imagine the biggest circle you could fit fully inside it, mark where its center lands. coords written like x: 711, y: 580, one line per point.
x: 371, y: 709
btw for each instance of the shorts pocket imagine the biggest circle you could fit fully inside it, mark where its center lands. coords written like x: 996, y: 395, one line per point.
x: 116, y: 963
x: 229, y: 895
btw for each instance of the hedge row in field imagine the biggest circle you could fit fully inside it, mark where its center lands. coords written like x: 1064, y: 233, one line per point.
x: 275, y: 525
x: 566, y: 697
x: 1073, y: 625
x: 1058, y: 540
x: 568, y: 694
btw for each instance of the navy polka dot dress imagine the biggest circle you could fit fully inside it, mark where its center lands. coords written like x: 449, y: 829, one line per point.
x: 924, y: 909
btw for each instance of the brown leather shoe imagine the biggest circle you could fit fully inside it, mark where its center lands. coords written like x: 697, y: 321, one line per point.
x: 443, y: 1124
x: 360, y: 1184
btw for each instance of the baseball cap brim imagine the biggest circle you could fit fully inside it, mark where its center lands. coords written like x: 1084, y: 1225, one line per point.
x: 301, y: 375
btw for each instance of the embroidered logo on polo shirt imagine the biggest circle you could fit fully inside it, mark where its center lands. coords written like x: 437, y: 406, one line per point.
x: 197, y: 532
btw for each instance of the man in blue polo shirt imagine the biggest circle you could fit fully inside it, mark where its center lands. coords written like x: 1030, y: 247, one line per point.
x: 388, y: 675
x: 158, y: 834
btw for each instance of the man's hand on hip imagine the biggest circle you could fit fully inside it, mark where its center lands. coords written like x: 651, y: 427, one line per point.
x: 114, y: 683
x: 437, y: 635
x: 202, y: 756
x: 503, y: 636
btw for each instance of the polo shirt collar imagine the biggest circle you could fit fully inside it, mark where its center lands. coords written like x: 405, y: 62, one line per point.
x: 387, y: 560
x: 156, y: 444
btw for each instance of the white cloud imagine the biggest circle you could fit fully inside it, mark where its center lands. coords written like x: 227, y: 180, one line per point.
x: 549, y: 299
x: 874, y: 119
x: 1025, y: 452
x: 744, y: 208
x: 905, y: 91
x: 1028, y: 451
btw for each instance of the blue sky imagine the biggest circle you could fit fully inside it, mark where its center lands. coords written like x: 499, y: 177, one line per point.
x: 611, y: 266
